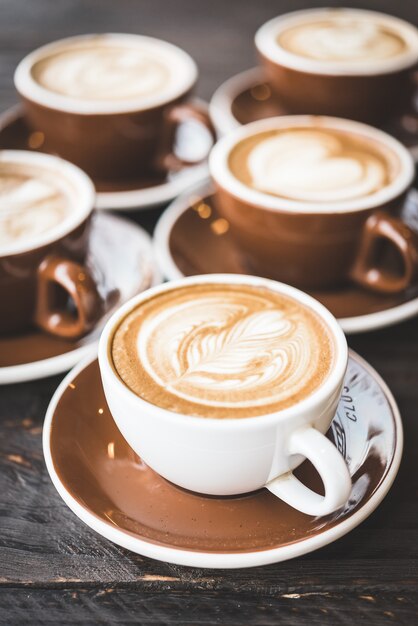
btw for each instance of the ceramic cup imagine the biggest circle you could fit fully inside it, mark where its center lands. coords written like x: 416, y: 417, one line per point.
x: 318, y: 245
x: 39, y: 274
x: 233, y: 456
x: 369, y: 90
x: 112, y: 138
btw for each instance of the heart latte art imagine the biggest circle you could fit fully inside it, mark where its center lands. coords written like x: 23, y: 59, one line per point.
x: 222, y: 351
x: 316, y: 165
x: 343, y: 38
x: 31, y: 203
x: 104, y: 71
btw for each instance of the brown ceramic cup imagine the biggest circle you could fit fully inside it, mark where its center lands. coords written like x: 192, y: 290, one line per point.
x: 366, y: 89
x: 314, y: 245
x: 110, y: 137
x: 40, y: 276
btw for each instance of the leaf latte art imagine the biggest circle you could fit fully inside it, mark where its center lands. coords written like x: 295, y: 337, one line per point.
x: 222, y: 351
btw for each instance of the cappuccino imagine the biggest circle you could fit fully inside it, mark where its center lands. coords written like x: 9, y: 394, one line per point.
x: 222, y: 350
x: 33, y: 202
x: 106, y: 72
x: 337, y: 40
x: 313, y: 164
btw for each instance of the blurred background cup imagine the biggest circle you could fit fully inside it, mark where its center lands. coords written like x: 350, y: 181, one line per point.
x: 110, y: 103
x: 311, y: 201
x: 344, y: 62
x: 43, y: 278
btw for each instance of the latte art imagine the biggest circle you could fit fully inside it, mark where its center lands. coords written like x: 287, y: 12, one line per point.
x: 311, y: 164
x: 31, y: 203
x: 102, y: 71
x: 343, y: 39
x: 222, y: 351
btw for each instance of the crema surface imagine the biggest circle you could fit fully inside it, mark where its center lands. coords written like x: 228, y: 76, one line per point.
x: 104, y: 71
x: 31, y: 203
x: 222, y: 351
x: 343, y: 38
x: 315, y: 165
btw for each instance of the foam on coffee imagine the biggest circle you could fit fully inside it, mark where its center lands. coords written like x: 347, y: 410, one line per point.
x: 102, y: 69
x: 313, y: 164
x: 32, y: 202
x: 343, y: 37
x: 222, y: 351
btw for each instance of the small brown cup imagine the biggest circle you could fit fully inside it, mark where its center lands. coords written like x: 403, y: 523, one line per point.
x: 118, y: 139
x: 40, y: 276
x: 367, y: 91
x: 314, y: 246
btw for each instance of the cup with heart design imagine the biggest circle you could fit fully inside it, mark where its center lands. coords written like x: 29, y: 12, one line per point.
x: 224, y: 384
x: 340, y: 61
x: 45, y: 210
x: 110, y: 103
x: 315, y: 202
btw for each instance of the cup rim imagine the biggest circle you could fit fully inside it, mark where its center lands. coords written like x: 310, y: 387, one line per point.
x: 332, y: 383
x: 267, y: 45
x: 31, y: 90
x: 222, y: 175
x: 79, y: 179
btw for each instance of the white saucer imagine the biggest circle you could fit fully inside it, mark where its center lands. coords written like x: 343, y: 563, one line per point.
x: 121, y: 258
x: 113, y: 492
x: 168, y: 258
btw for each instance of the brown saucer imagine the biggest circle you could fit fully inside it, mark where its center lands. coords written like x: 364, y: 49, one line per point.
x: 108, y: 486
x: 141, y: 192
x: 120, y: 258
x: 257, y: 101
x: 192, y: 239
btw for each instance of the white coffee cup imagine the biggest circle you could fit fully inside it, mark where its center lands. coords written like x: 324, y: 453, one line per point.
x: 233, y: 456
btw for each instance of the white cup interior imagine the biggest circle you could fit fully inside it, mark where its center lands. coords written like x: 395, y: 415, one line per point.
x: 183, y: 75
x: 221, y: 172
x: 266, y: 40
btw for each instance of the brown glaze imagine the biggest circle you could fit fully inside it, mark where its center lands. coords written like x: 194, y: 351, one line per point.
x: 259, y: 101
x: 21, y: 290
x: 15, y: 134
x: 100, y: 470
x: 371, y: 98
x: 311, y: 250
x: 114, y: 146
x: 197, y: 248
x: 110, y: 256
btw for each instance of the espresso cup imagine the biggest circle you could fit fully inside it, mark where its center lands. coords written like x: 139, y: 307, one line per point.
x: 343, y: 62
x: 110, y: 103
x: 242, y: 419
x: 315, y: 201
x: 45, y: 209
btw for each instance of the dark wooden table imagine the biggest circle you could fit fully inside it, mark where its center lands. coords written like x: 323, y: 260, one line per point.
x: 53, y: 569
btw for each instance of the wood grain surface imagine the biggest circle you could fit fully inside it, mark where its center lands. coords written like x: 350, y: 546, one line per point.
x: 53, y: 569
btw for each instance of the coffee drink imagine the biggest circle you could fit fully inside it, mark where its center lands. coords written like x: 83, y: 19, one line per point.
x: 33, y: 201
x: 348, y: 63
x: 313, y: 164
x: 111, y: 104
x: 100, y: 68
x: 344, y: 37
x: 222, y: 350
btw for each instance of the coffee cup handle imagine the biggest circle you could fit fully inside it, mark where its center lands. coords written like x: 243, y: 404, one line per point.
x: 175, y: 116
x: 366, y: 272
x: 77, y: 282
x: 331, y: 467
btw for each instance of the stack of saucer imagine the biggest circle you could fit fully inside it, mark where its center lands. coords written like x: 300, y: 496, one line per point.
x: 220, y: 420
